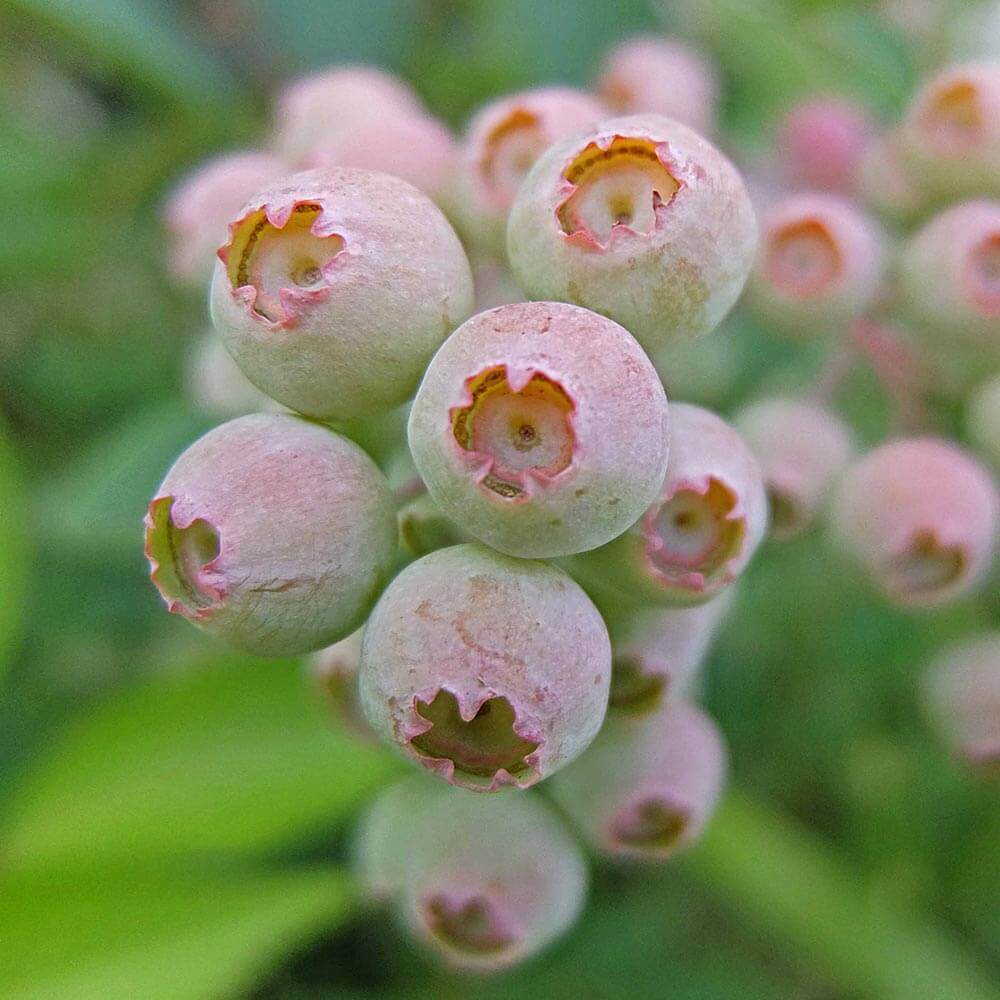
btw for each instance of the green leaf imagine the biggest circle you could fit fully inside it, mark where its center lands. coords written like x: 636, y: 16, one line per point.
x: 230, y: 754
x: 136, y: 42
x: 13, y: 551
x: 156, y: 932
x: 776, y: 875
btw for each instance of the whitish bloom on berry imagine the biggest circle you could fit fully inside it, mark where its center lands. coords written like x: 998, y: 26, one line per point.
x: 485, y: 669
x: 982, y: 419
x: 952, y: 131
x: 336, y: 672
x: 802, y: 448
x: 641, y: 220
x: 502, y: 143
x: 656, y: 653
x: 495, y: 285
x: 336, y: 287
x: 663, y: 76
x: 819, y: 265
x: 646, y: 787
x: 920, y: 515
x: 215, y: 383
x: 962, y: 693
x: 541, y: 428
x: 203, y: 204
x: 489, y: 880
x: 950, y: 277
x: 325, y: 108
x: 272, y: 533
x: 821, y: 143
x: 697, y: 537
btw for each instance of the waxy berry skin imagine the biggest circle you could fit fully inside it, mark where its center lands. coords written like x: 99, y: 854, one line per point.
x: 646, y: 787
x: 273, y: 533
x: 700, y: 533
x: 962, y: 695
x: 920, y: 515
x: 485, y: 669
x: 950, y: 277
x: 951, y: 133
x: 203, y: 204
x: 503, y: 141
x: 325, y: 108
x: 802, y: 448
x: 822, y: 142
x: 541, y: 428
x: 819, y: 265
x: 663, y: 76
x: 335, y: 289
x: 641, y: 220
x: 482, y: 882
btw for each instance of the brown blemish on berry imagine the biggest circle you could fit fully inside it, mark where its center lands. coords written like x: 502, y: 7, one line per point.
x: 478, y: 748
x: 471, y: 926
x: 652, y: 824
x: 925, y: 567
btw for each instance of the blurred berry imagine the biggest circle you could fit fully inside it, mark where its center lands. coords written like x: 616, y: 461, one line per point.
x: 982, y: 419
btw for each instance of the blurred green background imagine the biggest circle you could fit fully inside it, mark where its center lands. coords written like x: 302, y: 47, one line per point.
x: 174, y: 819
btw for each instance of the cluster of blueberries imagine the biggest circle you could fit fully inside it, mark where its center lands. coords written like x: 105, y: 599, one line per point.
x: 466, y: 489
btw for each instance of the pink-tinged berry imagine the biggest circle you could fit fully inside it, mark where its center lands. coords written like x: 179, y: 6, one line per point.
x: 952, y: 131
x: 541, y: 428
x: 962, y: 693
x: 203, y: 204
x: 982, y: 419
x: 921, y: 516
x: 886, y: 182
x: 489, y: 880
x: 802, y: 448
x: 326, y: 108
x: 698, y: 536
x: 646, y: 787
x: 335, y: 289
x: 819, y: 265
x: 950, y: 277
x: 821, y: 143
x: 486, y: 670
x: 272, y: 533
x: 495, y: 285
x: 415, y: 147
x: 215, y: 383
x: 656, y: 653
x: 503, y: 141
x: 663, y: 76
x: 336, y: 672
x: 641, y: 220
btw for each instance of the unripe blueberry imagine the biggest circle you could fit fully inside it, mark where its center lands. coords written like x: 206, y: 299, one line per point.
x: 424, y: 527
x: 950, y: 277
x: 541, y: 428
x: 502, y: 143
x: 821, y: 143
x: 819, y: 265
x: 646, y: 787
x: 697, y: 537
x: 664, y: 76
x: 324, y: 108
x: 215, y: 383
x: 802, y: 448
x: 982, y: 419
x: 272, y: 533
x: 962, y: 692
x: 489, y: 880
x: 336, y: 287
x: 642, y: 220
x: 657, y: 652
x: 495, y: 285
x: 921, y: 516
x: 886, y: 181
x: 336, y: 672
x: 485, y: 669
x: 952, y: 131
x: 415, y: 147
x: 202, y: 205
